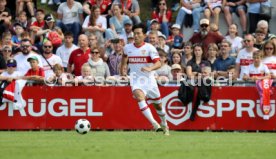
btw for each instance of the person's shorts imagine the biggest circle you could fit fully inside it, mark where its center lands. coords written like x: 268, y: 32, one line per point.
x: 152, y: 93
x: 236, y: 8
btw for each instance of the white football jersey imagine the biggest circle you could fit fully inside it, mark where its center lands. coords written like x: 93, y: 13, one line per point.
x: 244, y: 59
x: 260, y: 71
x: 270, y: 62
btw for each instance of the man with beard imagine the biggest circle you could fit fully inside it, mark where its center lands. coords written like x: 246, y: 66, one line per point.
x: 205, y: 36
x: 49, y: 59
x: 22, y: 63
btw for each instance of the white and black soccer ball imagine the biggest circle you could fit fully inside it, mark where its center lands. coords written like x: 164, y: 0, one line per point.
x: 82, y: 126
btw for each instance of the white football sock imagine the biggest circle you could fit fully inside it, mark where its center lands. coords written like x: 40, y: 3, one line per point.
x: 146, y: 111
x: 162, y: 115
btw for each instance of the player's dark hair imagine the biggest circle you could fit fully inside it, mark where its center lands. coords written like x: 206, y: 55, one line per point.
x: 140, y: 25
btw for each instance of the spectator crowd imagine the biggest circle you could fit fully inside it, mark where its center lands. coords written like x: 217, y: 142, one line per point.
x: 83, y: 40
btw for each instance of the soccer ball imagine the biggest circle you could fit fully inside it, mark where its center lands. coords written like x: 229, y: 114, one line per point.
x: 82, y: 126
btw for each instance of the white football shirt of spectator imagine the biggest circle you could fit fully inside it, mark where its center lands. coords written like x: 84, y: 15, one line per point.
x: 270, y: 62
x: 64, y: 53
x: 54, y: 59
x: 244, y: 59
x: 260, y: 71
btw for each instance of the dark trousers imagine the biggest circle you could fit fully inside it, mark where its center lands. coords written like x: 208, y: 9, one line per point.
x: 254, y: 18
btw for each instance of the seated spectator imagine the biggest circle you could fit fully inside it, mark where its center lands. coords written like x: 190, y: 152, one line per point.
x: 257, y: 70
x: 162, y: 43
x: 130, y: 38
x: 153, y: 38
x: 6, y: 54
x: 86, y: 77
x: 188, y: 51
x: 116, y: 23
x: 164, y: 16
x: 188, y: 8
x: 39, y: 23
x: 263, y: 25
x: 20, y: 4
x: 224, y: 61
x: 193, y: 68
x: 5, y: 16
x: 6, y: 39
x: 245, y: 55
x: 35, y: 73
x: 115, y: 57
x: 72, y: 21
x: 16, y: 39
x: 95, y: 24
x: 231, y: 71
x: 65, y: 50
x: 100, y: 68
x: 269, y: 59
x: 59, y: 78
x: 240, y: 8
x: 212, y: 53
x: 10, y: 73
x: 254, y: 15
x: 164, y: 71
x: 130, y: 8
x: 234, y: 39
x: 128, y: 30
x: 175, y: 32
x: 213, y: 8
x: 177, y: 58
x: 176, y: 73
x: 177, y: 47
x: 259, y: 39
x: 23, y: 20
x: 104, y: 6
x: 205, y: 37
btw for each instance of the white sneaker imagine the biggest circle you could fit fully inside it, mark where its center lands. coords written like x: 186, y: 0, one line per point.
x: 165, y: 130
x: 50, y: 2
x: 157, y: 127
x: 43, y: 1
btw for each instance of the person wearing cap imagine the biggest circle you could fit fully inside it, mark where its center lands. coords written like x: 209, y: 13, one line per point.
x: 193, y: 8
x: 176, y: 73
x: 205, y: 36
x: 130, y: 8
x: 154, y: 26
x: 70, y: 22
x: 26, y: 52
x: 40, y: 22
x: 20, y: 4
x: 176, y: 31
x: 162, y: 43
x: 96, y: 24
x: 10, y: 73
x: 115, y: 57
x: 35, y: 73
x: 16, y: 39
x: 164, y: 16
x: 128, y: 30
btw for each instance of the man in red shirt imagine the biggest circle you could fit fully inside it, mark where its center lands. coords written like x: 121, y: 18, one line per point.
x: 79, y: 56
x: 35, y: 73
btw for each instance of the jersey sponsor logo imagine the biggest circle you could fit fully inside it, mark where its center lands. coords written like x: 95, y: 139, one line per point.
x: 246, y: 62
x: 256, y: 74
x: 140, y: 59
x: 271, y: 66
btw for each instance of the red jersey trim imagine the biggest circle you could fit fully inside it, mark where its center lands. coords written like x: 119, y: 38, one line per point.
x: 246, y: 62
x: 156, y: 60
x: 256, y: 74
x: 271, y: 66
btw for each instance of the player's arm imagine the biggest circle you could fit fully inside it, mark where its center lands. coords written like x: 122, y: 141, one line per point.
x: 155, y: 66
x: 123, y: 64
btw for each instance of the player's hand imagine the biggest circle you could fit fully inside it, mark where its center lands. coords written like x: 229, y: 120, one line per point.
x: 145, y: 69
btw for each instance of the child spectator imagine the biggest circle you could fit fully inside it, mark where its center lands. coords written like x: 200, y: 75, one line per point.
x: 234, y: 39
x: 259, y: 39
x: 11, y: 73
x: 16, y: 39
x: 86, y: 75
x: 257, y: 70
x: 175, y: 32
x: 164, y: 71
x: 35, y: 73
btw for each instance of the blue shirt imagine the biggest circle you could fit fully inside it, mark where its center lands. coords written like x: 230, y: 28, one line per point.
x: 222, y: 65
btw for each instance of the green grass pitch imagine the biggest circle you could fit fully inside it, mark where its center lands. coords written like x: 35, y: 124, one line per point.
x: 136, y: 145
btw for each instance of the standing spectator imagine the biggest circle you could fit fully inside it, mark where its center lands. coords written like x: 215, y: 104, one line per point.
x: 223, y: 62
x: 49, y: 59
x: 116, y: 23
x: 195, y: 65
x: 269, y: 59
x: 66, y: 49
x: 234, y: 39
x: 79, y: 56
x: 240, y: 8
x: 213, y: 7
x: 22, y: 63
x: 205, y: 37
x: 70, y: 17
x: 115, y: 57
x: 100, y: 69
x: 245, y: 57
x: 164, y: 16
x: 254, y: 13
x: 257, y: 70
x: 5, y: 16
x: 131, y: 8
x: 190, y: 7
x: 95, y: 24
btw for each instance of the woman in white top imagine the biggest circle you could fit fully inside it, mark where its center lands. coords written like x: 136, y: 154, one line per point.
x: 95, y: 24
x: 234, y: 39
x: 269, y: 59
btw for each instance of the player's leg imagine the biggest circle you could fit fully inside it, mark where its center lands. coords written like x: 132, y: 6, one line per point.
x: 140, y: 97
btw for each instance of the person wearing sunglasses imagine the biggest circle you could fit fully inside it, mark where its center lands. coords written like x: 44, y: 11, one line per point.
x: 269, y: 49
x: 10, y: 73
x: 6, y: 52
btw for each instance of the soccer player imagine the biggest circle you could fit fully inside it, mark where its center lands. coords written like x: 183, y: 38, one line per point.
x: 143, y: 59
